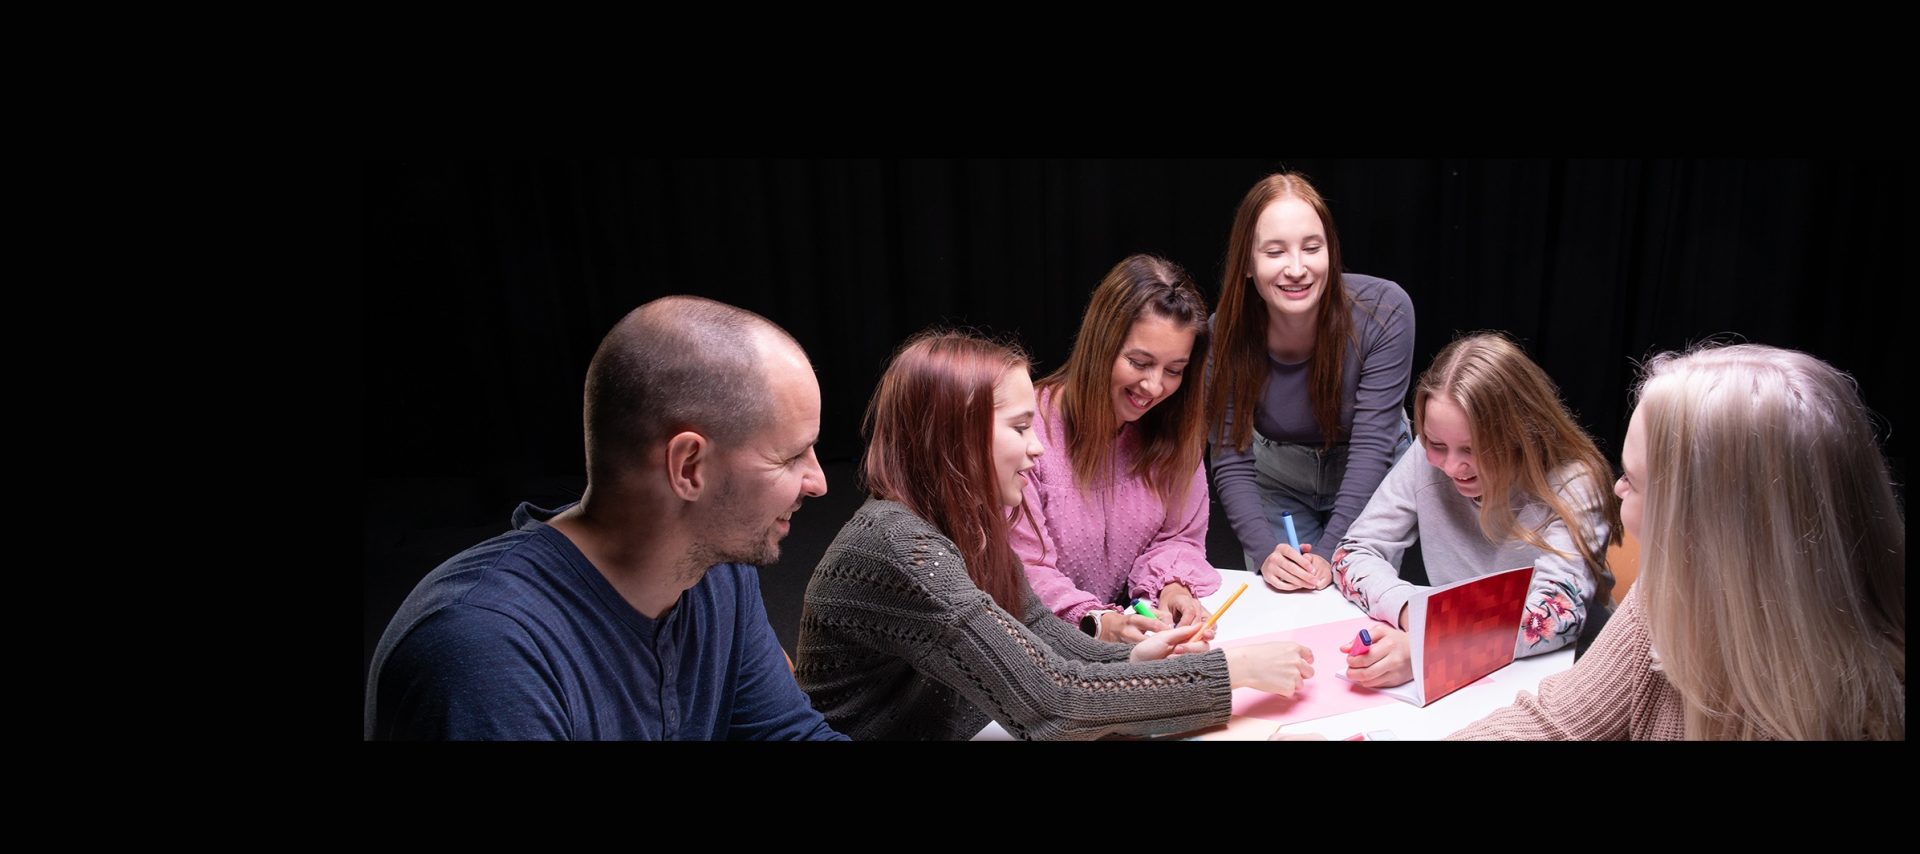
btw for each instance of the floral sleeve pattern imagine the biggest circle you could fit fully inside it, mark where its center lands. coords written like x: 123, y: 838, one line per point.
x: 1350, y: 590
x: 1554, y: 619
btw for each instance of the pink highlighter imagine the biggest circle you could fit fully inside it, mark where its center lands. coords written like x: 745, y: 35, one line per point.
x: 1361, y: 643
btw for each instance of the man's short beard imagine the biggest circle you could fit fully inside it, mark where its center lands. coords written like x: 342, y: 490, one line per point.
x: 762, y: 550
x: 704, y: 555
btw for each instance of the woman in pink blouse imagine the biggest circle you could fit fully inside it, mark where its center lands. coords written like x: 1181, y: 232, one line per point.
x: 1121, y: 505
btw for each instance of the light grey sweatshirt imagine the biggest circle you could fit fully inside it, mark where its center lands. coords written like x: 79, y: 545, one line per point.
x: 1418, y: 502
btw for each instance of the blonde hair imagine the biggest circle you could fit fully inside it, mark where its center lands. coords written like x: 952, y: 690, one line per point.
x: 1774, y: 549
x: 1522, y: 435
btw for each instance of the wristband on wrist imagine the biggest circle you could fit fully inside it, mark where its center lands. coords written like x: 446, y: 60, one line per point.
x: 1091, y: 622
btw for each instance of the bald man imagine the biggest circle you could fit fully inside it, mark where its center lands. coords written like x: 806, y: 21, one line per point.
x: 634, y: 613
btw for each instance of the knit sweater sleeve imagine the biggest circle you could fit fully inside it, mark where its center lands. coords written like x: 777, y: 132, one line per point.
x: 900, y: 588
x: 1067, y: 639
x: 1596, y: 700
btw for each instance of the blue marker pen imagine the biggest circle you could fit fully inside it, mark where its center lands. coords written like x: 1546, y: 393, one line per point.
x: 1293, y: 539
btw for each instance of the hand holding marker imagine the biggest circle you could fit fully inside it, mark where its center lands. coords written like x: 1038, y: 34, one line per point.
x: 1293, y: 540
x: 1223, y: 609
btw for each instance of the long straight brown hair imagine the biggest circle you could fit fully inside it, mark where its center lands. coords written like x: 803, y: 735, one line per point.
x: 1522, y: 434
x: 1173, y: 434
x: 1240, y: 363
x: 929, y: 447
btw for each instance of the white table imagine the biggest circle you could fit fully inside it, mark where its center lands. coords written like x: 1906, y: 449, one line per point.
x: 1262, y: 610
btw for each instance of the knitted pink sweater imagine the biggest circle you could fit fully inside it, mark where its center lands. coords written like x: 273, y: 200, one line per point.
x: 1103, y: 547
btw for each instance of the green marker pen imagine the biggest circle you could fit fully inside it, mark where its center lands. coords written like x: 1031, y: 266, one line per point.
x: 1140, y: 607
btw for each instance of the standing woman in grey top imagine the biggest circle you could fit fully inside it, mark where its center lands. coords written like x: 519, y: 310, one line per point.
x: 1322, y: 358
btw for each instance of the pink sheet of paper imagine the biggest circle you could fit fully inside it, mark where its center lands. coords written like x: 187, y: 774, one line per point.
x: 1321, y: 696
x: 1237, y: 728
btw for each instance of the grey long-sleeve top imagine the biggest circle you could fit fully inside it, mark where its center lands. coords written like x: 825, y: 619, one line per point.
x: 1374, y: 391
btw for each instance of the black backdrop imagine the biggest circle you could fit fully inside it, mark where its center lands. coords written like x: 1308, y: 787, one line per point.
x: 489, y: 284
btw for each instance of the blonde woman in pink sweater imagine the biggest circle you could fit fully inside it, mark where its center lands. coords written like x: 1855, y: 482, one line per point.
x: 1121, y: 503
x: 1772, y: 595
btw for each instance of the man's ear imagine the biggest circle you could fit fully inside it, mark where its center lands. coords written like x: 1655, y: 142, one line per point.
x: 689, y: 462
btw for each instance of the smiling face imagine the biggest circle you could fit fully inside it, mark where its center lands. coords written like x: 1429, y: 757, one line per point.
x: 1449, y: 442
x: 1290, y: 257
x: 769, y: 473
x: 1015, y: 443
x: 1151, y: 365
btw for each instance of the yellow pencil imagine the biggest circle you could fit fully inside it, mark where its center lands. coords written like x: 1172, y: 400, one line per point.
x: 1216, y: 615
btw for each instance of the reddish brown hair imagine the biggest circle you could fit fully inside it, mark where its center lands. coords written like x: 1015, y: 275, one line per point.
x: 929, y: 447
x: 1240, y: 323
